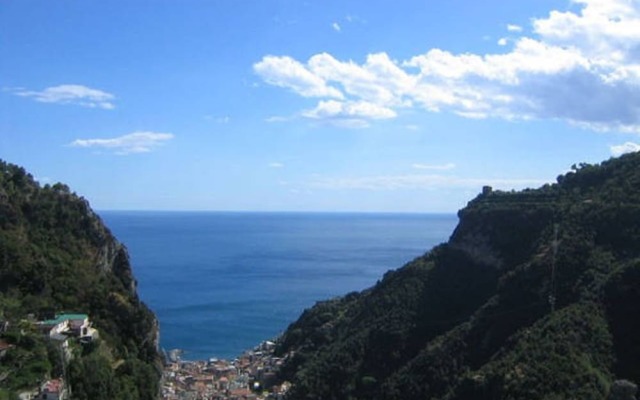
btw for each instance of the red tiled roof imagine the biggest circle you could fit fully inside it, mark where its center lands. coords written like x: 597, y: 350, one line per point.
x: 52, y: 386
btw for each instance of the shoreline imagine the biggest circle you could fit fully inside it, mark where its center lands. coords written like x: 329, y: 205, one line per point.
x: 251, y: 376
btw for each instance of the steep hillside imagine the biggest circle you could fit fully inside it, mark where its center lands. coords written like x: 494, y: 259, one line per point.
x: 535, y: 295
x: 56, y: 255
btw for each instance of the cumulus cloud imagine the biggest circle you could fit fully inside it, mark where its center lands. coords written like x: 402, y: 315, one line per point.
x: 71, y: 94
x: 136, y: 142
x: 289, y: 73
x: 416, y: 181
x: 350, y: 114
x: 628, y: 147
x: 581, y: 66
x: 379, y: 80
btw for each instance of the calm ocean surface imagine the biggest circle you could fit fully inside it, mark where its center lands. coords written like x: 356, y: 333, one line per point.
x: 220, y: 283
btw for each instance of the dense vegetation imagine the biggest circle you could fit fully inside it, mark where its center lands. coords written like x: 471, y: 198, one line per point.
x: 55, y: 254
x: 472, y: 318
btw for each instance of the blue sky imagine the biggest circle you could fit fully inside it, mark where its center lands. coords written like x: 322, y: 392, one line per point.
x: 286, y: 105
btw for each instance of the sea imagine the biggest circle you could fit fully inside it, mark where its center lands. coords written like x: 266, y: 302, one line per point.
x: 222, y: 282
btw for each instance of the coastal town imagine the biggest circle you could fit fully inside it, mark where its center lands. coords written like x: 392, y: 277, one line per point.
x: 252, y: 376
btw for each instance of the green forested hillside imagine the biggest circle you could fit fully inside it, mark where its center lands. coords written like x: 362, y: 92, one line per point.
x: 472, y: 318
x: 56, y: 255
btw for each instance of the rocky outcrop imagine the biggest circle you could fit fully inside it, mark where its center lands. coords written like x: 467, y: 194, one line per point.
x: 476, y: 245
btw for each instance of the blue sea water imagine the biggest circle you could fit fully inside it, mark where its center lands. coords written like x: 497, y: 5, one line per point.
x: 220, y: 283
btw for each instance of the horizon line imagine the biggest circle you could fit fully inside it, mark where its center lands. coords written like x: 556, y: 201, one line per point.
x: 123, y: 210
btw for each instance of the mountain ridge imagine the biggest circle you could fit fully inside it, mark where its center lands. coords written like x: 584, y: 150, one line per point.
x: 56, y: 255
x: 465, y: 320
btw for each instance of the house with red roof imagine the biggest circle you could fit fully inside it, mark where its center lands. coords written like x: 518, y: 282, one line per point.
x: 52, y: 390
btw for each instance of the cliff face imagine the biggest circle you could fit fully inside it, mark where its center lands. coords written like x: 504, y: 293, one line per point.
x: 57, y: 255
x: 473, y: 319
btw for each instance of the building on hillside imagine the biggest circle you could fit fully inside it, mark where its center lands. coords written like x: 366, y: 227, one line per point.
x: 62, y: 342
x: 77, y: 325
x: 56, y: 326
x: 52, y: 390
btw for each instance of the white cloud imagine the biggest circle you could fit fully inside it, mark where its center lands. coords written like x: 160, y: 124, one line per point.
x: 358, y: 109
x: 514, y: 28
x: 602, y: 27
x: 528, y: 60
x: 379, y: 80
x: 71, y: 94
x: 348, y: 114
x: 276, y: 165
x: 277, y: 118
x: 628, y: 147
x: 336, y: 27
x: 440, y: 167
x: 503, y: 42
x: 136, y: 142
x: 412, y: 182
x: 581, y: 66
x: 346, y: 123
x: 289, y: 73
